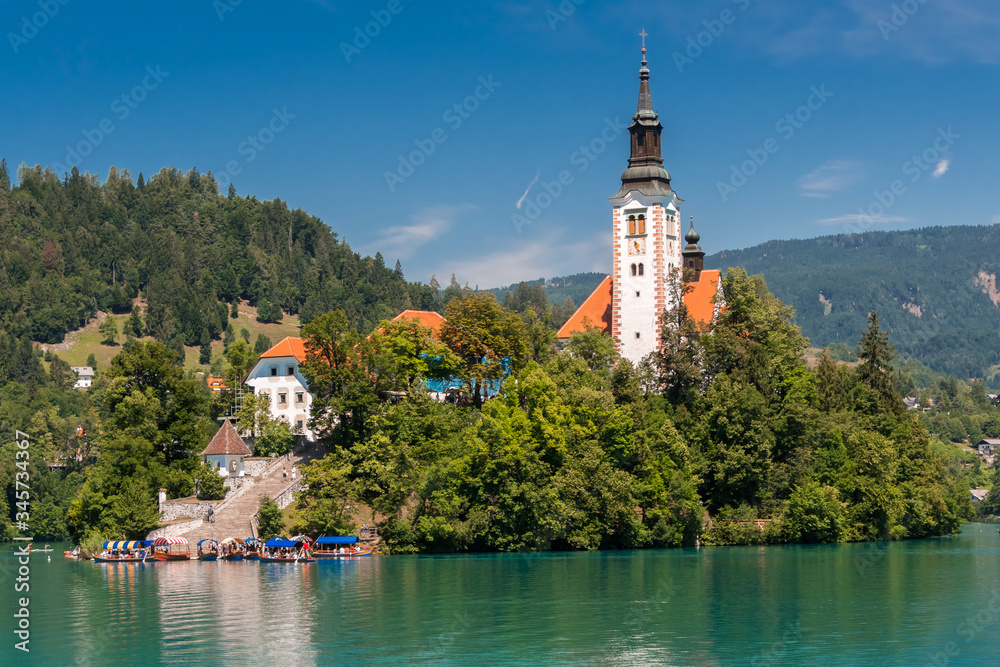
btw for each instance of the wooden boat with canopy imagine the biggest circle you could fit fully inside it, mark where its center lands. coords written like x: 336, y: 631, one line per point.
x: 171, y: 548
x: 280, y: 550
x: 126, y: 551
x: 340, y: 546
x: 252, y: 548
x: 231, y: 549
x: 208, y: 549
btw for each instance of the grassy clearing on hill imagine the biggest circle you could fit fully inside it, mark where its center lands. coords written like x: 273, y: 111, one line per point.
x: 83, y: 342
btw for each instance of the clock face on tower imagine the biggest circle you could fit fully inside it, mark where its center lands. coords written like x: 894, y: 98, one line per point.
x: 636, y: 247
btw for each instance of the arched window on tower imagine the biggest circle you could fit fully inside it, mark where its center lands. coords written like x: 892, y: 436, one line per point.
x: 639, y: 142
x: 641, y: 225
x: 641, y: 269
x: 633, y: 269
x: 631, y: 224
x: 691, y: 263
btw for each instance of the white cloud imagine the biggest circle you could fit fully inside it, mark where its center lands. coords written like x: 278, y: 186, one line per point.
x: 554, y: 255
x: 402, y: 241
x: 834, y: 176
x: 530, y: 185
x: 942, y: 168
x: 859, y: 219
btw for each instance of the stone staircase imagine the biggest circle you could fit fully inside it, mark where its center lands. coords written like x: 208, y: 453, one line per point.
x: 233, y: 520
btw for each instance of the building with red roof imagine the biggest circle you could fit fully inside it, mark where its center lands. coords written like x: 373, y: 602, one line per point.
x: 278, y: 375
x: 226, y: 451
x: 425, y: 318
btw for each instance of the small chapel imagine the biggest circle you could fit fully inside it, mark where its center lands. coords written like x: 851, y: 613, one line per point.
x: 646, y: 249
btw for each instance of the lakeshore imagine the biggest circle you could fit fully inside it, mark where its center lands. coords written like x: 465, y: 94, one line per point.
x: 898, y: 603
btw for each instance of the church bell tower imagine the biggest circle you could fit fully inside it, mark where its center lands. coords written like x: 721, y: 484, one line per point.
x: 646, y: 232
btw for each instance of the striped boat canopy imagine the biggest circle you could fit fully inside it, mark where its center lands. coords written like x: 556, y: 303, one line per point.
x: 350, y: 539
x: 126, y: 545
x: 159, y: 541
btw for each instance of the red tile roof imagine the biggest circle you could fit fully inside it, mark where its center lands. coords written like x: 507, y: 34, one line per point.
x: 425, y: 318
x: 700, y: 299
x: 595, y: 312
x: 227, y: 441
x: 292, y: 346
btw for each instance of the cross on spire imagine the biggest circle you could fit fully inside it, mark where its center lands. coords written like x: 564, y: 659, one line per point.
x: 644, y: 35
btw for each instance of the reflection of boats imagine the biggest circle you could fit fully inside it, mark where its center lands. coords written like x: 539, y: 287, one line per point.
x: 231, y: 549
x: 136, y: 551
x: 171, y: 548
x: 252, y: 548
x: 340, y: 546
x: 279, y: 550
x: 209, y: 552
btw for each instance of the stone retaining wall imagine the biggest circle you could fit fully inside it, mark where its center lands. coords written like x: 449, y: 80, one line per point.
x: 175, y: 530
x: 285, y: 498
x: 256, y: 465
x: 183, y: 508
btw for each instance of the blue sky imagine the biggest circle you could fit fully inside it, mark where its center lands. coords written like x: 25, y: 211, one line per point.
x: 294, y: 100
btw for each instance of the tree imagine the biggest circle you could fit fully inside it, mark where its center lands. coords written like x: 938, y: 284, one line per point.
x: 205, y: 352
x: 61, y: 374
x: 407, y: 354
x: 680, y: 359
x: 211, y: 485
x: 270, y: 521
x: 324, y: 507
x: 875, y: 354
x: 344, y: 386
x: 108, y: 329
x: 489, y: 340
x: 234, y: 310
x: 92, y: 361
x: 262, y: 344
x: 134, y: 324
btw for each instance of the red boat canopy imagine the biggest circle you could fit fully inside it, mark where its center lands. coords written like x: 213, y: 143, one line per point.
x: 169, y: 540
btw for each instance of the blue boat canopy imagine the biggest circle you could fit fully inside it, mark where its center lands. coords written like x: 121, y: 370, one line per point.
x: 277, y: 542
x: 348, y: 539
x: 208, y: 540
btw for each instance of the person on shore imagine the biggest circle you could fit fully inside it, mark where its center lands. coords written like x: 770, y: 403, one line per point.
x: 284, y: 473
x: 293, y: 473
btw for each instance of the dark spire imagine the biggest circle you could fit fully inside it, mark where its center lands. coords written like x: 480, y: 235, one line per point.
x: 692, y: 237
x: 694, y: 256
x: 645, y: 171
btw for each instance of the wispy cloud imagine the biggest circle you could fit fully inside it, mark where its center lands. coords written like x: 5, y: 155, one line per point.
x: 530, y: 185
x: 938, y: 32
x: 529, y: 260
x: 859, y: 219
x: 942, y: 168
x: 835, y: 176
x: 402, y: 241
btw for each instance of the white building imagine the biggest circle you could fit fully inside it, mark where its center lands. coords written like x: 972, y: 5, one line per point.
x: 647, y: 248
x: 226, y: 451
x: 278, y: 376
x: 84, y: 377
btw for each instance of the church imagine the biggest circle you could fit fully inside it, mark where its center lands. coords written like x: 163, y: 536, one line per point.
x: 646, y: 249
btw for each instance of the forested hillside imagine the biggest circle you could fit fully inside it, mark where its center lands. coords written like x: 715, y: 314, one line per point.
x: 935, y: 289
x: 70, y: 247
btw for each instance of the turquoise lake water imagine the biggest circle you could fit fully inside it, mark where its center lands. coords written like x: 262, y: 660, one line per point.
x: 930, y: 602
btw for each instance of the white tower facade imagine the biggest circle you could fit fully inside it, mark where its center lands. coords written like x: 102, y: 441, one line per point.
x: 646, y: 233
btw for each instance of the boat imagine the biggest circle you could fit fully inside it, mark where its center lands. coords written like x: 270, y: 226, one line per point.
x: 252, y: 547
x: 171, y: 548
x: 209, y: 552
x: 75, y: 553
x: 125, y: 551
x: 340, y: 546
x: 280, y: 550
x: 231, y: 549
